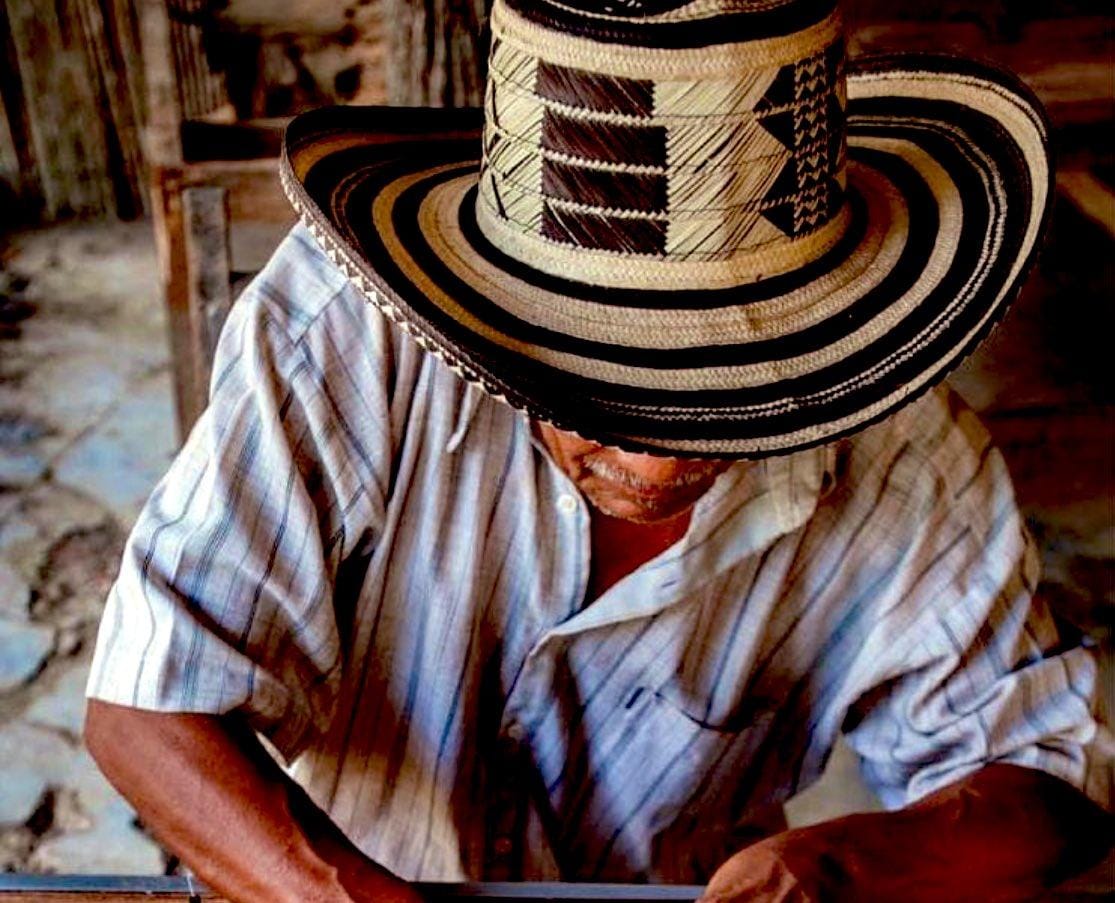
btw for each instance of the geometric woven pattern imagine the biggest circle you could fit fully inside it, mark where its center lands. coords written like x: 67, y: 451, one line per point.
x: 603, y: 181
x: 804, y: 110
x: 573, y: 157
x: 735, y: 164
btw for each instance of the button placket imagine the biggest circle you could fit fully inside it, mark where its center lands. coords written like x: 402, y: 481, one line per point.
x: 512, y: 774
x: 508, y: 811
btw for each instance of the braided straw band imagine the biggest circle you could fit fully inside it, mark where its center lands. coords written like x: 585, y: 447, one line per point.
x: 651, y: 167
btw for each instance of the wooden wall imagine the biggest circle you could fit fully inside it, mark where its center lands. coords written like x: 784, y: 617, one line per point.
x: 69, y: 120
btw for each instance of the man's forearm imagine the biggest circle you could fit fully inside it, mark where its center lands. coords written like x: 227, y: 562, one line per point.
x: 209, y: 791
x: 1003, y: 834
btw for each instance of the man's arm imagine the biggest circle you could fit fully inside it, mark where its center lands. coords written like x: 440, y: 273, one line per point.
x: 207, y: 788
x: 1005, y: 833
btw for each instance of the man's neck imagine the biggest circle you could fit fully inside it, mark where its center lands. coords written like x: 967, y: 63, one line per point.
x: 621, y: 546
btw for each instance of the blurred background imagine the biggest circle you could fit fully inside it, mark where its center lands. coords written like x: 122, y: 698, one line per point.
x: 138, y: 193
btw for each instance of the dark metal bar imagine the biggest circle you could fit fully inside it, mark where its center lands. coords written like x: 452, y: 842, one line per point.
x: 501, y: 892
x: 143, y: 884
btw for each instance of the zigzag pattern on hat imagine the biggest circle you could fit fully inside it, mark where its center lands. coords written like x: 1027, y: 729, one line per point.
x: 679, y: 169
x: 804, y: 110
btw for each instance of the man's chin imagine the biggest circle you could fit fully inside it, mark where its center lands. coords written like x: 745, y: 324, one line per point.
x: 638, y: 509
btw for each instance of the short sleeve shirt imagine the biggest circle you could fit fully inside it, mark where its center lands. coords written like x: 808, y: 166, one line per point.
x: 380, y: 568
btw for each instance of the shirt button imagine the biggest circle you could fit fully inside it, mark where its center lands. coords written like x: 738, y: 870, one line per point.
x: 502, y: 846
x: 516, y: 732
x: 567, y: 504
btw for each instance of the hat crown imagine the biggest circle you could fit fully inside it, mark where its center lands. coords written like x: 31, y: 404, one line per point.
x: 634, y: 8
x: 656, y: 143
x: 589, y: 18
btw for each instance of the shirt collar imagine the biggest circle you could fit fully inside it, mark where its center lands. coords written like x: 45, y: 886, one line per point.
x: 749, y: 507
x: 796, y: 484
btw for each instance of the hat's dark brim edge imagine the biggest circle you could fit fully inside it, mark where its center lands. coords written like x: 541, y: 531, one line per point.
x: 408, y: 122
x: 775, y: 21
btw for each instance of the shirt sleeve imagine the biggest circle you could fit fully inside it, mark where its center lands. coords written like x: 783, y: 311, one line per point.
x: 225, y: 600
x: 973, y: 670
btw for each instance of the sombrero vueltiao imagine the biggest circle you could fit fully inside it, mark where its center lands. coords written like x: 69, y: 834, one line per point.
x: 682, y: 227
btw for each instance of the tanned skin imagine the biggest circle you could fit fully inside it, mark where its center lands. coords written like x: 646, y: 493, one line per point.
x: 211, y: 793
x: 206, y: 787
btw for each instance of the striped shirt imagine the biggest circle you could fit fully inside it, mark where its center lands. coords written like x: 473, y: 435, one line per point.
x: 384, y: 571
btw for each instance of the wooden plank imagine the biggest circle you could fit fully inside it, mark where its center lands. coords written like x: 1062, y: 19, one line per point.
x: 208, y: 260
x: 67, y: 132
x: 164, y: 112
x: 66, y: 74
x: 10, y: 174
x: 245, y: 140
x: 254, y: 190
x: 17, y: 163
x: 201, y: 90
x: 168, y: 219
x: 436, y: 55
x: 121, y: 19
x: 189, y: 264
x: 124, y: 153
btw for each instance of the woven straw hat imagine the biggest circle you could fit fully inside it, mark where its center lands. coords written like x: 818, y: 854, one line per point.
x: 685, y: 226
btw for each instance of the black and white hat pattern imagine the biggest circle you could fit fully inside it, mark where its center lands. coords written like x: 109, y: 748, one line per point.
x: 688, y: 227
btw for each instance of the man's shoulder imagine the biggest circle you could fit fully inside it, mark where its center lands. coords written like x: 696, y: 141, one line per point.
x: 301, y: 322
x: 937, y: 445
x: 298, y: 287
x: 301, y: 307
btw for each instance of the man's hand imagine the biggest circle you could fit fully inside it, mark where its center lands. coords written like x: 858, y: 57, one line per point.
x: 1003, y: 834
x: 780, y: 868
x: 208, y: 790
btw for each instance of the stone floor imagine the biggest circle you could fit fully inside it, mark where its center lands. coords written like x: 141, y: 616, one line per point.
x: 86, y: 430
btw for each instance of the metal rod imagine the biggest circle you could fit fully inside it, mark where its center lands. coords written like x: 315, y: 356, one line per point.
x: 506, y: 892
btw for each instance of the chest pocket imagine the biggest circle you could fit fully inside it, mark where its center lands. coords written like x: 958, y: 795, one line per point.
x: 729, y: 713
x: 659, y: 780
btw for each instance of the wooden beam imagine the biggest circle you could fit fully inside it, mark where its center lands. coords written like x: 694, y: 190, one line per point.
x: 10, y: 173
x: 162, y: 141
x: 114, y: 62
x: 207, y: 256
x: 436, y: 54
x: 254, y: 190
x: 168, y: 220
x: 201, y: 91
x: 17, y: 159
x: 60, y: 90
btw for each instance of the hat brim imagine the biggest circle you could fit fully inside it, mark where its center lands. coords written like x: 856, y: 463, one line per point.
x: 949, y: 186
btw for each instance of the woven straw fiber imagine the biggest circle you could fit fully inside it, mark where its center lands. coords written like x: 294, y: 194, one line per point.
x: 679, y: 180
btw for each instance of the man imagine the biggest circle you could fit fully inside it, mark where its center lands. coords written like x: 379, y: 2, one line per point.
x: 573, y: 552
